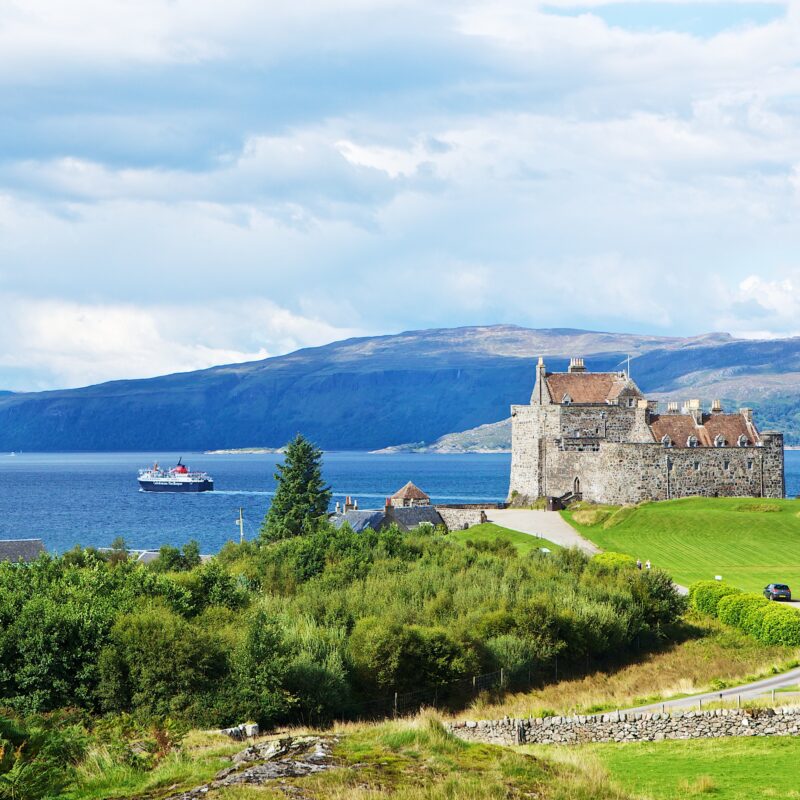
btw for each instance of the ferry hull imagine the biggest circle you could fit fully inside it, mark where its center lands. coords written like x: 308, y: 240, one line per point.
x: 176, y: 486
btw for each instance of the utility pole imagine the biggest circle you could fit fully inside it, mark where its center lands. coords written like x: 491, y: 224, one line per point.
x: 240, y: 523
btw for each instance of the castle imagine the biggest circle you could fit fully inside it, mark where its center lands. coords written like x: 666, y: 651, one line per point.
x: 594, y: 435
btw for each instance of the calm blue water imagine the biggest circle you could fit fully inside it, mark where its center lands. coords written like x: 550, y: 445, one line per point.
x: 89, y: 499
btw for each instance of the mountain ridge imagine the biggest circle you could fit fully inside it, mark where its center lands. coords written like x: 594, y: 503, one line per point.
x: 374, y: 392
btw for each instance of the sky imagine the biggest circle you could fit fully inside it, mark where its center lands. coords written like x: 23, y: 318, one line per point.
x: 186, y: 183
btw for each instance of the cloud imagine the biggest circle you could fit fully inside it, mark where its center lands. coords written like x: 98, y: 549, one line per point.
x: 51, y: 343
x: 287, y: 173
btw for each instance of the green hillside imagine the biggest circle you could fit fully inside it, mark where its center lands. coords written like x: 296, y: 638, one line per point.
x: 749, y: 542
x: 489, y: 532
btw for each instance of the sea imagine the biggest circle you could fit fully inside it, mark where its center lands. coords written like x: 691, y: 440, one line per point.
x: 92, y: 498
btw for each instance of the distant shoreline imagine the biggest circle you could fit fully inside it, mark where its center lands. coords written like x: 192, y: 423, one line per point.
x: 246, y: 451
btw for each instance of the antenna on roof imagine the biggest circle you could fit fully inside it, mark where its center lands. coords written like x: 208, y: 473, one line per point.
x: 626, y: 360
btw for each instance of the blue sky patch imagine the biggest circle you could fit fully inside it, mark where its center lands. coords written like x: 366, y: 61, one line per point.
x: 698, y: 19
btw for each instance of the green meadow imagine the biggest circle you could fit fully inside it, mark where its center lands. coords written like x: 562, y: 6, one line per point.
x: 489, y: 532
x: 726, y: 769
x: 749, y: 542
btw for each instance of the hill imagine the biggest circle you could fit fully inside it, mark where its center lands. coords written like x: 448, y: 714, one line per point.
x: 749, y: 542
x: 374, y: 392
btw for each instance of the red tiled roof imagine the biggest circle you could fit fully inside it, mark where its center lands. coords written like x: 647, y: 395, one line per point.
x: 679, y: 427
x: 410, y: 492
x: 585, y: 387
x: 731, y: 426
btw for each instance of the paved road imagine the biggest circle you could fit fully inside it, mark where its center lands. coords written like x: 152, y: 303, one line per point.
x: 747, y: 691
x: 547, y: 524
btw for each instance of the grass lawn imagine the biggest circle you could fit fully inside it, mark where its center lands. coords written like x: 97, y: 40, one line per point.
x: 489, y: 532
x: 697, y: 538
x: 726, y: 769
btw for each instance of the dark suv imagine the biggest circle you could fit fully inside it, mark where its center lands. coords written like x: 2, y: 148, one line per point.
x: 778, y: 591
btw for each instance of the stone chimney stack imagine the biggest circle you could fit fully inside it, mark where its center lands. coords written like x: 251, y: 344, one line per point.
x: 716, y: 406
x: 695, y: 409
x: 672, y: 407
x: 576, y: 365
x: 747, y: 413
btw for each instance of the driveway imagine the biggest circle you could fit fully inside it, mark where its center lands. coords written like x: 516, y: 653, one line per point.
x: 547, y: 524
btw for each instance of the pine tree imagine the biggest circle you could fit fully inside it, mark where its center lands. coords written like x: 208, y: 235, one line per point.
x: 302, y: 498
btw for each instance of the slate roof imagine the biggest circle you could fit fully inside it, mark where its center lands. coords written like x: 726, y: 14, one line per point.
x: 587, y: 387
x: 360, y: 520
x: 410, y: 517
x: 679, y: 427
x: 21, y: 549
x: 410, y: 492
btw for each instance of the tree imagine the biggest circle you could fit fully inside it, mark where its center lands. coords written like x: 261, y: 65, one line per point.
x: 302, y: 498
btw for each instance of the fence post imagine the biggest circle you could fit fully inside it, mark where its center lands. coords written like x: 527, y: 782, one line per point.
x: 556, y: 666
x: 395, y: 705
x: 738, y: 701
x: 502, y: 678
x: 773, y: 695
x: 474, y: 684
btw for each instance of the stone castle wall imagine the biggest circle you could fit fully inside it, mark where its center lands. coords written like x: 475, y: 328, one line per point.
x: 459, y: 519
x: 632, y: 727
x: 611, y: 452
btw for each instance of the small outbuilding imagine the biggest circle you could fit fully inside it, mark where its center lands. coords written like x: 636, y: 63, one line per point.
x: 25, y: 550
x: 409, y: 496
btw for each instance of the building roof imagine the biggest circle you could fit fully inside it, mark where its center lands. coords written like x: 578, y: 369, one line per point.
x: 410, y: 517
x: 360, y: 520
x: 410, y: 492
x: 21, y: 549
x: 679, y: 427
x: 587, y: 387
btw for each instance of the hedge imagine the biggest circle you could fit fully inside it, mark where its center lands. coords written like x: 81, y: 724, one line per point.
x: 751, y: 613
x: 705, y: 596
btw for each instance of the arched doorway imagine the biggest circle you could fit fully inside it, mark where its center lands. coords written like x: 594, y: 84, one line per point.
x: 576, y: 486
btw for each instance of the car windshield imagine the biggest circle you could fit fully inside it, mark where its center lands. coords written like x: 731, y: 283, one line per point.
x: 781, y: 587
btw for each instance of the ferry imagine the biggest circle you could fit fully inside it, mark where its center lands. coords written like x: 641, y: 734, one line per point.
x: 177, y: 479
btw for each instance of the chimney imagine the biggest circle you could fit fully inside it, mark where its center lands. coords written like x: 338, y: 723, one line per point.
x: 576, y: 365
x: 672, y: 407
x: 348, y: 503
x: 338, y: 508
x: 388, y: 502
x: 355, y: 505
x: 716, y: 406
x: 695, y: 409
x: 747, y: 413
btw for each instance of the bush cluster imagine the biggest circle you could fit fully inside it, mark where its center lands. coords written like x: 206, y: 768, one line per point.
x: 751, y: 613
x: 309, y: 627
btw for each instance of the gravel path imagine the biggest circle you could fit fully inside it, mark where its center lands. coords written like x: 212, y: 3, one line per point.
x: 547, y: 524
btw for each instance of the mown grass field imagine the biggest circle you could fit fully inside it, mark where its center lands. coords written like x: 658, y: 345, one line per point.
x: 725, y: 769
x: 489, y: 532
x: 749, y: 542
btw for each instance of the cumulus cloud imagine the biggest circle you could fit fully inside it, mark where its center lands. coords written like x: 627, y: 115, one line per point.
x: 46, y: 343
x: 291, y: 173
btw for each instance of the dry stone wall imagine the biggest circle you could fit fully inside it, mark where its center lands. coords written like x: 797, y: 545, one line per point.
x: 459, y: 519
x: 632, y: 727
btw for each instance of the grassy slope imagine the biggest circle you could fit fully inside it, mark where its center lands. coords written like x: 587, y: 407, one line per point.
x: 726, y: 769
x: 696, y: 539
x: 704, y: 654
x: 417, y: 760
x: 490, y: 532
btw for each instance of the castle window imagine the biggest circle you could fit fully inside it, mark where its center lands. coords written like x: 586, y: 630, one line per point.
x: 666, y: 441
x: 696, y: 466
x: 726, y: 465
x: 719, y: 440
x: 742, y: 441
x: 630, y: 402
x: 750, y: 464
x: 692, y: 441
x: 566, y: 399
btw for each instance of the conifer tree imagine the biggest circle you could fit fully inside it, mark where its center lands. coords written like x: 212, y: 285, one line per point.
x: 302, y: 498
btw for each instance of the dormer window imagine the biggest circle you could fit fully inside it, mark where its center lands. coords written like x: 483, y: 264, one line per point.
x: 719, y: 440
x: 742, y: 441
x: 666, y: 441
x: 692, y: 441
x: 566, y: 399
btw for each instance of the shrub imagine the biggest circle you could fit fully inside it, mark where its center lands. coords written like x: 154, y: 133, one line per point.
x: 752, y: 619
x: 781, y: 625
x: 613, y: 561
x: 732, y: 608
x: 704, y: 596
